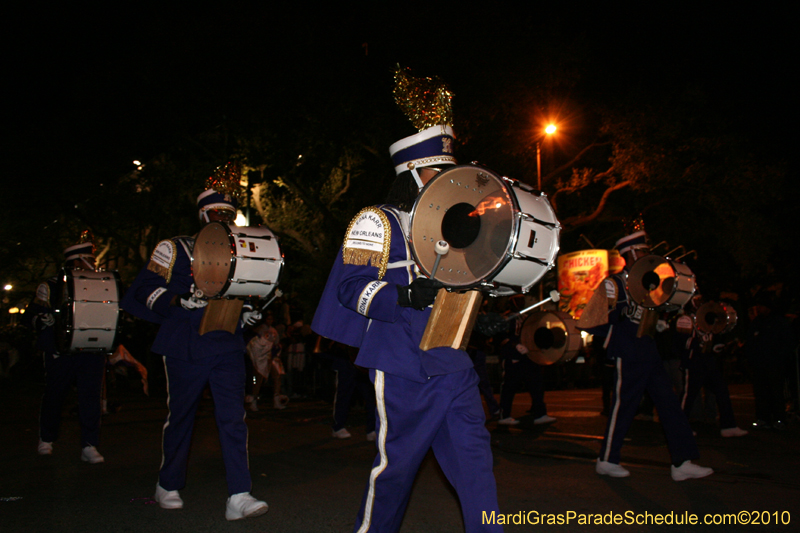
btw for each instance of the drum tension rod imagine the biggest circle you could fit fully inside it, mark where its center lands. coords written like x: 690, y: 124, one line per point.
x: 530, y: 218
x: 517, y: 255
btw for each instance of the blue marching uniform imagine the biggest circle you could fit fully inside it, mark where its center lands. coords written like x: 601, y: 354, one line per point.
x: 61, y: 370
x: 700, y: 369
x: 639, y: 368
x: 425, y: 399
x: 191, y: 362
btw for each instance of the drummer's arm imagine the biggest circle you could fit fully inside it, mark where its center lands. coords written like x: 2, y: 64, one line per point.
x: 362, y: 291
x: 152, y: 291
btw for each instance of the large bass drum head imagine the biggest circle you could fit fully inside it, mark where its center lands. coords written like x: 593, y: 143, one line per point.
x: 212, y: 258
x: 550, y: 337
x: 470, y: 208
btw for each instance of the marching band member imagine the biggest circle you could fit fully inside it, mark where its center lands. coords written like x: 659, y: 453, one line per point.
x: 163, y: 293
x: 377, y: 299
x: 85, y: 369
x: 700, y: 369
x: 638, y: 368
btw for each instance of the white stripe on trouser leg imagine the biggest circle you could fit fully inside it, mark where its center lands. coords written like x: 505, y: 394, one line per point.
x: 166, y: 423
x: 612, y: 425
x: 381, y: 406
x: 685, y: 388
x: 335, y: 394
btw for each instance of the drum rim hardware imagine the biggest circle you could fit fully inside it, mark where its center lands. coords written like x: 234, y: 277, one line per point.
x: 518, y: 220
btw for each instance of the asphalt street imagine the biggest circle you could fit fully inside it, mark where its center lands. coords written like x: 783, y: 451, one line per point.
x: 314, y: 483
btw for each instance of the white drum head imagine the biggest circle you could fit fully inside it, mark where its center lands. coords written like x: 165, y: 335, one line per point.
x: 470, y: 208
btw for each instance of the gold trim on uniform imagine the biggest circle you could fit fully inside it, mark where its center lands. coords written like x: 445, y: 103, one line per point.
x: 163, y: 259
x: 369, y: 248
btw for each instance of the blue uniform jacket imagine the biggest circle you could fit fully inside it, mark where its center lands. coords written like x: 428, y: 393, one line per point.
x: 43, y: 304
x: 360, y: 309
x: 169, y: 274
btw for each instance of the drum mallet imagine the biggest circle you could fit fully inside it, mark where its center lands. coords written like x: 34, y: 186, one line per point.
x: 277, y: 294
x: 441, y: 248
x: 554, y: 297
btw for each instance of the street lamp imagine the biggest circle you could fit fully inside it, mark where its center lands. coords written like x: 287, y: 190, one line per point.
x: 549, y: 130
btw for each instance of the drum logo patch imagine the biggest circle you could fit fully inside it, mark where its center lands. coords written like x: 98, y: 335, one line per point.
x: 368, y: 240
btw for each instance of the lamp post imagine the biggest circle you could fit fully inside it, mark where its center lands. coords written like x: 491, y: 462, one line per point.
x: 549, y: 130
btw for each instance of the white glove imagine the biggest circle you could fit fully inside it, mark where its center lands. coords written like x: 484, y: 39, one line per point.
x: 250, y: 316
x: 192, y: 302
x: 521, y: 348
x: 662, y: 326
x: 47, y: 319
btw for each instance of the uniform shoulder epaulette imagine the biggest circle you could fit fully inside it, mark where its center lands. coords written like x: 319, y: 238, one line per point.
x: 43, y: 295
x: 368, y: 240
x: 163, y: 259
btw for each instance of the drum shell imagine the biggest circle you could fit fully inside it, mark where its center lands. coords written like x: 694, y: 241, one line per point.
x: 532, y: 240
x: 496, y: 259
x: 236, y: 262
x: 716, y: 317
x: 87, y: 317
x: 685, y: 324
x: 556, y: 349
x: 674, y: 290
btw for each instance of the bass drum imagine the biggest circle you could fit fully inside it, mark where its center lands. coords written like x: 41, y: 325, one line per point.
x: 716, y: 318
x: 658, y: 283
x: 551, y: 337
x: 87, y: 318
x: 503, y: 235
x: 231, y: 262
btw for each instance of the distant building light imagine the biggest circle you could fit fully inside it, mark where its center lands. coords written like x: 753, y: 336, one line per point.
x: 13, y: 310
x: 8, y: 286
x: 137, y: 162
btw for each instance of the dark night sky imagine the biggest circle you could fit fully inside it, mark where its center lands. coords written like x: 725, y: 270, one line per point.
x: 104, y: 84
x: 93, y: 89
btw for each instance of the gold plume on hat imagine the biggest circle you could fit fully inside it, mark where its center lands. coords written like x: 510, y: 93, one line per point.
x: 426, y: 101
x: 227, y: 179
x: 86, y: 236
x: 634, y: 225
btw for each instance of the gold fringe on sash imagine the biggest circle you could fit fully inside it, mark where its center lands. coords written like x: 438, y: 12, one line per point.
x: 164, y: 272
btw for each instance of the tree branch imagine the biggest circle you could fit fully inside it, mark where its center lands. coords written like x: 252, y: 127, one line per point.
x: 573, y: 160
x: 580, y: 220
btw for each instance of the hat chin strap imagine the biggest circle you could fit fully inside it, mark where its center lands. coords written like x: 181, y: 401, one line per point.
x: 416, y: 177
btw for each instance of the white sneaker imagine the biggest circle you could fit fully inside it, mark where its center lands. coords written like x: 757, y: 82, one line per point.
x: 689, y: 470
x: 372, y: 436
x: 45, y: 448
x: 168, y: 499
x: 508, y: 421
x: 279, y: 401
x: 604, y: 468
x: 243, y: 505
x: 341, y: 434
x: 90, y: 455
x: 733, y: 432
x: 544, y: 419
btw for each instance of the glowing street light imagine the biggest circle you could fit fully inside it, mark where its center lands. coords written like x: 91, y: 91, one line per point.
x: 8, y: 287
x: 549, y: 130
